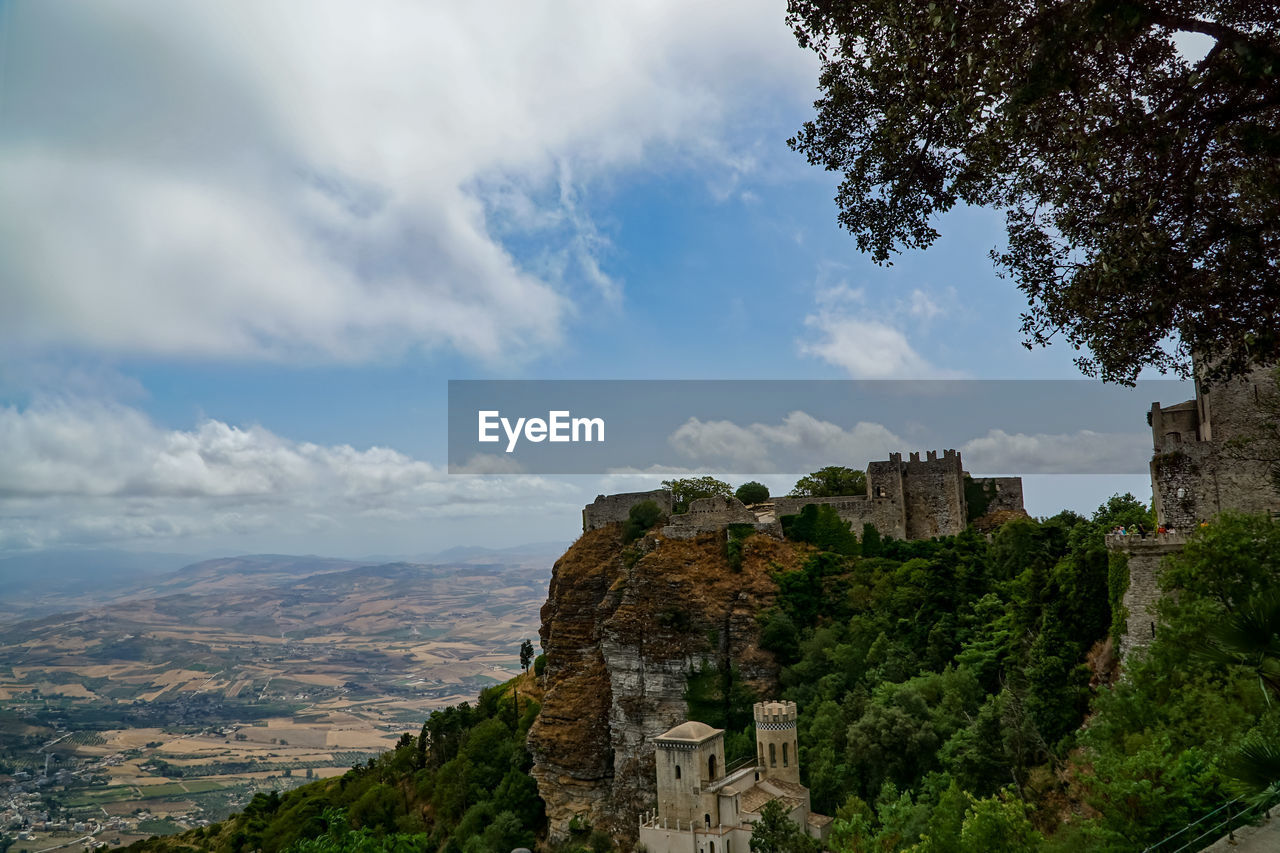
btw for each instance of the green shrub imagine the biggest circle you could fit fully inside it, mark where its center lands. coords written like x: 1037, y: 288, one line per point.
x: 821, y: 525
x: 735, y: 540
x: 830, y: 482
x: 540, y: 665
x: 640, y: 518
x: 689, y: 489
x: 752, y: 493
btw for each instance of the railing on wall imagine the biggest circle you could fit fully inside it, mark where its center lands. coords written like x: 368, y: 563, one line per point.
x: 1222, y: 821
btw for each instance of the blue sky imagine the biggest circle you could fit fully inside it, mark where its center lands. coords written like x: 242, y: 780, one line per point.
x: 242, y: 253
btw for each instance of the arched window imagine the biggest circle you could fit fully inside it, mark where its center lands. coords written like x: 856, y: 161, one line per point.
x: 707, y: 820
x: 677, y: 771
x: 784, y: 755
x: 761, y: 754
x: 711, y: 846
x: 711, y: 767
x: 773, y: 756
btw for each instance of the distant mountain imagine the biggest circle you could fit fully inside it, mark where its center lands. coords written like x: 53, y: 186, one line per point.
x: 472, y: 553
x: 48, y: 582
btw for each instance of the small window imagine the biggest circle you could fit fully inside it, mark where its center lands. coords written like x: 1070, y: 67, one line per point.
x: 784, y: 755
x: 677, y: 771
x: 706, y: 818
x: 773, y: 756
x: 711, y: 767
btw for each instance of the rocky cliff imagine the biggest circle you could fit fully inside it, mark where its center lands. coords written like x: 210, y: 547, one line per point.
x: 622, y: 628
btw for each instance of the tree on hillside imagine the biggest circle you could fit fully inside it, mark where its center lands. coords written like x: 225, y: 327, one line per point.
x: 526, y: 655
x: 776, y: 832
x: 752, y: 493
x: 686, y: 491
x: 1141, y: 187
x: 832, y: 481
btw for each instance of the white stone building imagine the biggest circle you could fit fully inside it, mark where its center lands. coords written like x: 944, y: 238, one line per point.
x: 705, y: 807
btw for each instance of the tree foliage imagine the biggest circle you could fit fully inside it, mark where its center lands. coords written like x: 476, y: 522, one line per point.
x: 689, y: 489
x: 640, y: 518
x: 1141, y: 187
x: 830, y: 482
x: 775, y: 832
x: 752, y: 493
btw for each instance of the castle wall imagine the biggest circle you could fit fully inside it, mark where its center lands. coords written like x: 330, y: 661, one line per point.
x: 1232, y: 410
x: 1194, y: 482
x: 708, y: 515
x: 1006, y: 493
x: 606, y: 509
x: 885, y: 488
x: 1145, y: 556
x: 933, y: 495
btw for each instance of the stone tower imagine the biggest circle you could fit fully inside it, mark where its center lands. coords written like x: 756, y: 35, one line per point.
x: 776, y: 740
x: 688, y: 759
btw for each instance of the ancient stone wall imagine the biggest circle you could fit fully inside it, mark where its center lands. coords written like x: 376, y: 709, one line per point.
x: 1231, y: 410
x: 606, y: 509
x: 1005, y: 493
x: 1145, y: 555
x: 885, y: 514
x: 708, y: 515
x: 933, y: 495
x: 885, y: 489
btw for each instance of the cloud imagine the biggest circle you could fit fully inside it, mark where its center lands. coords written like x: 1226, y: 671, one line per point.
x: 82, y: 472
x: 241, y: 181
x: 847, y: 332
x: 864, y: 348
x: 799, y: 443
x: 1081, y: 452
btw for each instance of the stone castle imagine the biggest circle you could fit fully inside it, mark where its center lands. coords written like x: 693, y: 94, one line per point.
x: 912, y: 499
x: 706, y: 807
x: 1212, y: 453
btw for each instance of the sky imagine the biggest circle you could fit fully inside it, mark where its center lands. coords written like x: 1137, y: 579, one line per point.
x: 243, y: 250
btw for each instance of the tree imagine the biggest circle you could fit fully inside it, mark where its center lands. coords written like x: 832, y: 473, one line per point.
x: 776, y: 832
x: 640, y: 518
x: 752, y: 493
x: 686, y: 491
x: 526, y: 655
x: 830, y: 482
x: 1141, y: 187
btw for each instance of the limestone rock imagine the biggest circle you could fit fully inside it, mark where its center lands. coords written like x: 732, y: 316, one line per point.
x: 621, y: 628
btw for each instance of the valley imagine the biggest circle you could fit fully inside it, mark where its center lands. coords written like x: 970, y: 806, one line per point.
x: 170, y: 708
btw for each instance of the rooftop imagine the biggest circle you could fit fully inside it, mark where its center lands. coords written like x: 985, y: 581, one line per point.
x: 691, y: 732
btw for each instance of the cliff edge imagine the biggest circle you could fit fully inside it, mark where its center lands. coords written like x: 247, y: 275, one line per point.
x: 622, y: 627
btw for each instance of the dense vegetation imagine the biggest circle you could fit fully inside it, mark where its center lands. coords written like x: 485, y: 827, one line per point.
x: 957, y: 690
x: 460, y: 786
x: 956, y: 694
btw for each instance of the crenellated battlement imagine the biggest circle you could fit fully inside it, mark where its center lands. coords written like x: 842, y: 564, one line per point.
x: 915, y: 499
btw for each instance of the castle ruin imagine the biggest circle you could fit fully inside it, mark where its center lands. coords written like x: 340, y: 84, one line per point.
x: 912, y: 499
x: 1213, y: 453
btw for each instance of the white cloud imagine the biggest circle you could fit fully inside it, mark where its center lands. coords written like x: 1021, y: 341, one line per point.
x: 798, y: 443
x: 1081, y: 452
x: 251, y: 180
x: 848, y: 332
x: 864, y: 348
x: 78, y: 472
x: 923, y: 305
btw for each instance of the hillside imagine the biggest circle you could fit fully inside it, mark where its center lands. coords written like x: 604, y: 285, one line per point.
x: 955, y: 694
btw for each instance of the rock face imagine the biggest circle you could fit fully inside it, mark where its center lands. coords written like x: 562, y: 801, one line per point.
x: 622, y: 627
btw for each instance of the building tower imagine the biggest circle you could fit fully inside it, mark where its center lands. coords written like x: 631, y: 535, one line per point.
x: 688, y: 759
x: 776, y: 742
